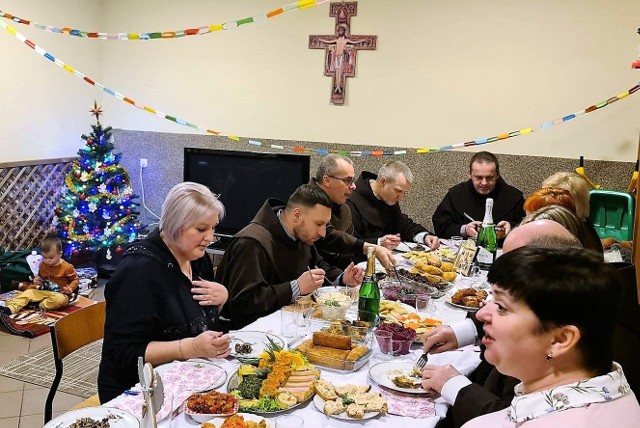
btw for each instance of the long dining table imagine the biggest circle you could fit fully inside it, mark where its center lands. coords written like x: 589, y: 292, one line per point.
x: 464, y: 359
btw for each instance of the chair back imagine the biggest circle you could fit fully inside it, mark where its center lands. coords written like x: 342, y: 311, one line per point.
x: 69, y: 334
x: 611, y: 213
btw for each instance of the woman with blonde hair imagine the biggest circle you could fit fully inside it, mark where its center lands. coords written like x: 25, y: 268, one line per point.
x: 162, y: 302
x: 579, y: 189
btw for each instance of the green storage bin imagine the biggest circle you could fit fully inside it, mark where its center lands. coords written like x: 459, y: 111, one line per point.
x: 611, y: 213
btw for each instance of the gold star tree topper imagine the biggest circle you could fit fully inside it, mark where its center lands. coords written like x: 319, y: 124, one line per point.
x: 96, y: 111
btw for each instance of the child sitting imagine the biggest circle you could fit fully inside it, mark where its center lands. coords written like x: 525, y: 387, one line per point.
x: 54, y: 285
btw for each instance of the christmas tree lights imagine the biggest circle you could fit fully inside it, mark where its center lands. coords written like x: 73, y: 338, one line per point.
x: 96, y: 206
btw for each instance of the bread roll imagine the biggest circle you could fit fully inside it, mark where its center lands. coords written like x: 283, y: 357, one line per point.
x: 331, y: 340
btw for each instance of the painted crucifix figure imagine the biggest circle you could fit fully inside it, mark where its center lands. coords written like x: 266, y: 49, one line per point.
x: 341, y: 48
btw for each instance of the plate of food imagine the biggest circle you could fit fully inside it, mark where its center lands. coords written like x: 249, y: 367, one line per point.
x: 244, y: 420
x: 348, y: 402
x: 207, y: 405
x: 337, y: 352
x: 247, y: 346
x: 115, y: 418
x: 398, y: 376
x: 405, y: 246
x: 194, y: 375
x: 414, y: 321
x: 468, y: 299
x: 395, y: 308
x: 280, y: 381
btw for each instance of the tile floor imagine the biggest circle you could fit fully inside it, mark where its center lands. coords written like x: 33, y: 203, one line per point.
x: 22, y: 404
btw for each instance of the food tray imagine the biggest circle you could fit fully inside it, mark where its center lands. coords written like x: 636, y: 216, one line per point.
x: 336, y: 365
x: 232, y: 385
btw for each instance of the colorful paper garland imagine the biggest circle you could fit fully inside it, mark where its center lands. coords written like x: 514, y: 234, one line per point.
x: 172, y: 34
x: 321, y: 152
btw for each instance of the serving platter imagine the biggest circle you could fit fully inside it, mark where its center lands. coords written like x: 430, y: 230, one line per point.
x: 247, y: 417
x: 117, y: 418
x: 199, y: 369
x: 379, y: 374
x: 202, y: 417
x: 318, y: 402
x: 234, y: 381
x: 258, y: 340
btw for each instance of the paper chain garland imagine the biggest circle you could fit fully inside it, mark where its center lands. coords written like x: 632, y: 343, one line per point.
x: 161, y: 35
x: 298, y: 149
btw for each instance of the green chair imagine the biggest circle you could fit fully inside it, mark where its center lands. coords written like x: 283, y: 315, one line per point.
x: 611, y: 213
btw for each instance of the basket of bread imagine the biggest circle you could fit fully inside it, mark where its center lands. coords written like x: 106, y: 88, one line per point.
x: 334, y: 351
x: 348, y: 401
x: 281, y: 380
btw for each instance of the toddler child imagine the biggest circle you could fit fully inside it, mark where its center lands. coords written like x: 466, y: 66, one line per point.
x: 54, y: 285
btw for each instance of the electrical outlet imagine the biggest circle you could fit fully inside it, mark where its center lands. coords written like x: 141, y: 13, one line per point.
x: 144, y: 163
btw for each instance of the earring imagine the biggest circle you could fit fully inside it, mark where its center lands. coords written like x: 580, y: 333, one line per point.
x: 549, y: 356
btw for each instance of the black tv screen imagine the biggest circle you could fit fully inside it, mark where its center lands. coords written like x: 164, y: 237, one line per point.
x: 244, y: 180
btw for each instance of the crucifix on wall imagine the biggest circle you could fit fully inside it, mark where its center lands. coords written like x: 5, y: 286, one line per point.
x: 341, y: 49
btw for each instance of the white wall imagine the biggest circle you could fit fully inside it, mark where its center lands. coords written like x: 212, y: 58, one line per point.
x: 44, y: 109
x: 444, y: 72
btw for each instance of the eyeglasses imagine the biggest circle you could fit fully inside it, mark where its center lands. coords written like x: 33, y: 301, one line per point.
x: 346, y: 180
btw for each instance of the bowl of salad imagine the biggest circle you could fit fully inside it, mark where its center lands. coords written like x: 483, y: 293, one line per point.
x: 333, y: 302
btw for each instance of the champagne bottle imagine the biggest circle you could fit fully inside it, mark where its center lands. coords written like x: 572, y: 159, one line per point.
x: 369, y: 297
x: 487, y: 238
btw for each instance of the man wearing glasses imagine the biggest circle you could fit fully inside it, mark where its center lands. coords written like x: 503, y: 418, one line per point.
x: 375, y: 208
x: 468, y: 199
x: 335, y: 176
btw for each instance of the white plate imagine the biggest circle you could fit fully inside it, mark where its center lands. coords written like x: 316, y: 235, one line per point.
x: 466, y: 308
x: 195, y: 365
x: 319, y: 403
x: 408, y: 308
x: 247, y: 417
x: 117, y: 418
x: 405, y: 247
x: 378, y: 373
x: 257, y: 340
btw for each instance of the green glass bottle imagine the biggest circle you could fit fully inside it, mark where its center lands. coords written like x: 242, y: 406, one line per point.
x: 487, y: 239
x: 369, y: 297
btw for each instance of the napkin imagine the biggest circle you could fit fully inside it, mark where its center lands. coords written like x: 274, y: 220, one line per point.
x: 412, y: 405
x: 180, y: 381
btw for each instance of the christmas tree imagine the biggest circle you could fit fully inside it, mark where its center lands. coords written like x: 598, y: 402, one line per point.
x: 96, y: 208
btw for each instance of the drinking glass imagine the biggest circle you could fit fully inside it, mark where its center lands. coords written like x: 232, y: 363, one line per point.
x: 301, y: 305
x: 289, y: 421
x: 384, y: 352
x: 288, y: 326
x: 456, y: 242
x: 424, y: 306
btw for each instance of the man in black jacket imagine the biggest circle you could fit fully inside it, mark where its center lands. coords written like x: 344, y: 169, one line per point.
x: 468, y: 198
x: 335, y: 176
x: 375, y: 208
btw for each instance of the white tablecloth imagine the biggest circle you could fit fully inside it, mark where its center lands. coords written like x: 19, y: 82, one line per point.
x: 464, y: 360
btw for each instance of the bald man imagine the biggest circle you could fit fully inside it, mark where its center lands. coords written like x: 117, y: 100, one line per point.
x: 485, y: 390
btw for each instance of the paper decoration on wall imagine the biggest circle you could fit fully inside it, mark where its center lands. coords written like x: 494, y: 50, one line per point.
x: 171, y: 34
x: 310, y: 150
x: 340, y: 49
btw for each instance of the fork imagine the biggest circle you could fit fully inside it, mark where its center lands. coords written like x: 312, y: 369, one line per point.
x: 422, y: 361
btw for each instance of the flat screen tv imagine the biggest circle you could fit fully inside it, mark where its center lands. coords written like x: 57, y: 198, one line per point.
x: 244, y: 180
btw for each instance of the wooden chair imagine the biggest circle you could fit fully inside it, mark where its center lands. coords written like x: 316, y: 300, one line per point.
x: 68, y: 334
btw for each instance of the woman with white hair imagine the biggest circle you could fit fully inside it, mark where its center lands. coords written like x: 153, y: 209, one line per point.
x: 162, y: 302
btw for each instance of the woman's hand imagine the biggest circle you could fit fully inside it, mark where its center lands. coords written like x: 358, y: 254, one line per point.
x: 209, y: 293
x: 353, y: 275
x: 434, y: 377
x: 211, y: 344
